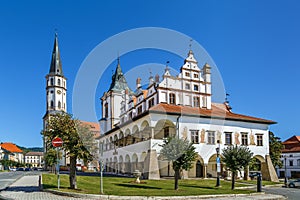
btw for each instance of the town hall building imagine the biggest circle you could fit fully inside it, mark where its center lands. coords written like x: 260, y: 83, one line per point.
x: 135, y: 123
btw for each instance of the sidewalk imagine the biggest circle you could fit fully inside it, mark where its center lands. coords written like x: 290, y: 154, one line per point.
x: 27, y: 188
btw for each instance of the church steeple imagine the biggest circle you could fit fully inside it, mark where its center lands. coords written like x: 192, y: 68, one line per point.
x: 119, y: 82
x: 56, y: 83
x: 56, y: 66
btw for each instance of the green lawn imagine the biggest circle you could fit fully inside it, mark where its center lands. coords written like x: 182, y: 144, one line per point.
x: 126, y: 187
x: 254, y: 182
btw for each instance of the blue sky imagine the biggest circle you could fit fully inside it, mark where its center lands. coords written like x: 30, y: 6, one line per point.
x: 255, y: 45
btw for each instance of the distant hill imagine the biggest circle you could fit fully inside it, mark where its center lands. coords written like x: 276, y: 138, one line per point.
x: 34, y: 149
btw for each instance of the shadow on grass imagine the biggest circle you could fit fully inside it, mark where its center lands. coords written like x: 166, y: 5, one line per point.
x: 197, y: 186
x: 137, y: 186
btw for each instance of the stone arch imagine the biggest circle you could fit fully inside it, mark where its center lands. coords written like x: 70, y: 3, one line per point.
x: 212, y: 166
x: 135, y: 134
x: 164, y: 128
x: 115, y: 141
x: 198, y: 168
x: 111, y: 143
x: 165, y: 167
x: 121, y: 165
x: 145, y: 130
x: 106, y: 144
x: 127, y: 164
x: 115, y: 165
x: 128, y: 137
x: 121, y: 142
x: 134, y: 162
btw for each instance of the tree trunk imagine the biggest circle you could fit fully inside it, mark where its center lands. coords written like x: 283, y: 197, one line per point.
x: 232, y: 180
x: 72, y: 176
x: 177, y: 175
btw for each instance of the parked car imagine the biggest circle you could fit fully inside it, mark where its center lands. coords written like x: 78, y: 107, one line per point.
x: 20, y: 169
x: 294, y: 183
x: 12, y: 169
x: 27, y: 169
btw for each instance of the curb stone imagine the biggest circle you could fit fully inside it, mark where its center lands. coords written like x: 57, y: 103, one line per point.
x: 114, y: 197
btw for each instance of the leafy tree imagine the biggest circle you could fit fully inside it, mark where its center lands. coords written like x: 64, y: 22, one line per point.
x: 254, y: 164
x: 275, y: 148
x: 181, y: 153
x: 70, y: 131
x: 51, y: 158
x: 236, y: 158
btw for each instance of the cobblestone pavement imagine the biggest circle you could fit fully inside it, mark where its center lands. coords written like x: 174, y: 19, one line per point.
x: 26, y: 188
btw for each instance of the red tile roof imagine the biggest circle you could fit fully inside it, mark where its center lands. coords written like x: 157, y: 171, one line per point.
x: 93, y: 126
x: 11, y: 147
x: 32, y: 153
x: 292, y: 144
x: 217, y: 111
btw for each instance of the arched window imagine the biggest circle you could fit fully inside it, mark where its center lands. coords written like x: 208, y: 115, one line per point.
x: 51, y: 81
x: 106, y: 110
x: 59, y: 104
x: 58, y: 82
x: 51, y: 104
x: 172, y: 98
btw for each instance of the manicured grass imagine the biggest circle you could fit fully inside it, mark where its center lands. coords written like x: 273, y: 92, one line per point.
x: 126, y: 187
x: 254, y: 182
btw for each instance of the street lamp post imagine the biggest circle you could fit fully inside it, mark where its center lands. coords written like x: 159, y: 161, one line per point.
x: 218, y: 164
x: 285, y: 176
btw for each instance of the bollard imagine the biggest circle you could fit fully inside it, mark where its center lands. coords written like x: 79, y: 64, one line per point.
x: 258, y: 182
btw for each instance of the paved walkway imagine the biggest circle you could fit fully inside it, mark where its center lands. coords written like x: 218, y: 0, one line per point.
x: 26, y: 188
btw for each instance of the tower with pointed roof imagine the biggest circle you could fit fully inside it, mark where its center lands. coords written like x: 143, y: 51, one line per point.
x: 111, y: 100
x: 56, y: 88
x: 56, y: 83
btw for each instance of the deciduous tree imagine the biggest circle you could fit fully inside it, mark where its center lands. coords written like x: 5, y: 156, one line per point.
x: 275, y: 147
x: 181, y: 153
x: 77, y: 140
x: 236, y: 158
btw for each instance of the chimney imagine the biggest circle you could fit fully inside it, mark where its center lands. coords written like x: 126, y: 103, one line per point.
x: 138, y: 83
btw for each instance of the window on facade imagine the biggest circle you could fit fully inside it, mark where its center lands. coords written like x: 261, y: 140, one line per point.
x: 150, y: 103
x: 196, y: 76
x: 187, y: 74
x: 228, y: 138
x: 166, y: 132
x: 195, y: 136
x: 51, y: 104
x: 196, y: 101
x: 130, y: 115
x: 58, y: 82
x: 172, y: 98
x: 59, y: 104
x: 210, y: 137
x: 259, y: 140
x: 106, y: 110
x: 291, y: 155
x: 187, y: 86
x: 298, y: 162
x: 139, y: 110
x: 244, y: 138
x: 291, y: 163
x: 204, y: 102
x: 51, y: 81
x: 196, y: 87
